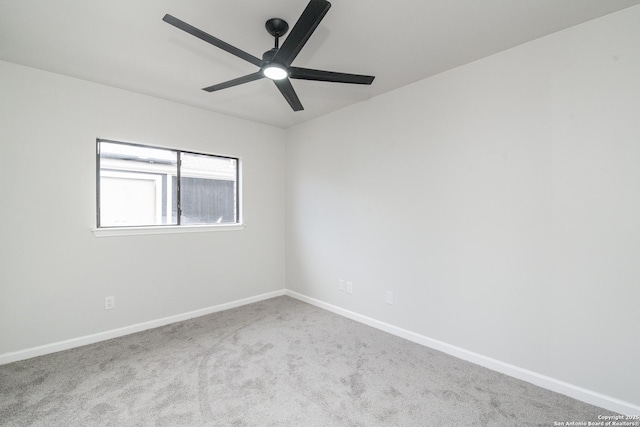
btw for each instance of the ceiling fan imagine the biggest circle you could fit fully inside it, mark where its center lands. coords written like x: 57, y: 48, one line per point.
x: 276, y: 63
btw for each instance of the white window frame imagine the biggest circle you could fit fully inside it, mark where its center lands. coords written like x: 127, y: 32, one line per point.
x: 157, y: 180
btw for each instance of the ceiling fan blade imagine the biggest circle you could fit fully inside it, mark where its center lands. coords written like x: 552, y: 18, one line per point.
x: 306, y: 25
x: 212, y: 40
x: 235, y: 82
x: 286, y: 89
x: 329, y: 76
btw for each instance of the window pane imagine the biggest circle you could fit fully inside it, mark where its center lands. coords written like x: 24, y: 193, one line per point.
x: 136, y: 185
x: 208, y: 189
x: 147, y: 186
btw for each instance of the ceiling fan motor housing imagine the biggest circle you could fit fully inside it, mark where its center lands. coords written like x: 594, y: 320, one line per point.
x: 268, y: 55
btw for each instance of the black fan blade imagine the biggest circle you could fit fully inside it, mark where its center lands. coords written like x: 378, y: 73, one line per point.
x: 289, y: 94
x: 329, y: 76
x: 306, y: 25
x: 212, y: 40
x: 235, y: 82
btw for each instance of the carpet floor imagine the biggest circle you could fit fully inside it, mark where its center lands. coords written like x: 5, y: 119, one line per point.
x: 278, y: 362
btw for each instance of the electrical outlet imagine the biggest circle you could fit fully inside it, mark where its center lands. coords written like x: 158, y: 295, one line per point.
x: 109, y: 303
x: 341, y: 285
x: 349, y: 287
x: 389, y: 297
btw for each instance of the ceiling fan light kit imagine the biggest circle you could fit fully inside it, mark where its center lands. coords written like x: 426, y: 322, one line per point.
x: 276, y: 63
x: 274, y: 72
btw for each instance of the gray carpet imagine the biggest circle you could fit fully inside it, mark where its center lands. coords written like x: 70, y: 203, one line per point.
x: 279, y: 362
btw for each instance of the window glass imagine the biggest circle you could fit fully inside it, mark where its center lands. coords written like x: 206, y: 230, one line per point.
x: 208, y: 189
x: 148, y: 186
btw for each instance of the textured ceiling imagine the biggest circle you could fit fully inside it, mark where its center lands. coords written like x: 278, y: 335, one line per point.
x: 125, y: 44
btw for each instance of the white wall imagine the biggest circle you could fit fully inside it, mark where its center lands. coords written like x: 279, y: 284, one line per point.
x: 499, y: 201
x: 54, y: 273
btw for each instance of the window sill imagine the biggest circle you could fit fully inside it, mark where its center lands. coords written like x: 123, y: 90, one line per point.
x: 166, y: 229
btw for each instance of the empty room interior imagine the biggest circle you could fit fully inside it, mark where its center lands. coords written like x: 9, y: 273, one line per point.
x: 443, y: 228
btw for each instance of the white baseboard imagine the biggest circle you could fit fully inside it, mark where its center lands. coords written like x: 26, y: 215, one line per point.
x: 114, y: 333
x: 579, y: 393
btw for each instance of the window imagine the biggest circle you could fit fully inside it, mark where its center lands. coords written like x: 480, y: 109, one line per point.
x: 138, y: 185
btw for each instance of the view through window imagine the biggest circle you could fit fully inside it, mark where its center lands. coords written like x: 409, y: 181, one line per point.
x: 140, y: 185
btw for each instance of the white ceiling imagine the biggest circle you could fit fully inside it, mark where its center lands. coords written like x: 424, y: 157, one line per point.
x: 125, y: 44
